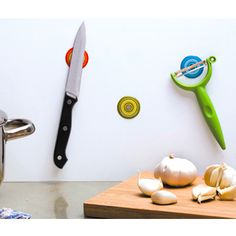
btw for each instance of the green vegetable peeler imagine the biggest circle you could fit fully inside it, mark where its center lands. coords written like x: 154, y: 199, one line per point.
x: 192, y: 68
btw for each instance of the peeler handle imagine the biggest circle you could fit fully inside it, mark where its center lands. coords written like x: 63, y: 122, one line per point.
x: 210, y: 115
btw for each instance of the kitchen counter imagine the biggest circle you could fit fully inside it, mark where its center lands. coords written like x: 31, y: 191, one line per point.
x: 60, y: 200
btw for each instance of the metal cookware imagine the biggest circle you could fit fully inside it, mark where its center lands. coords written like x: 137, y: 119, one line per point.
x: 9, y: 130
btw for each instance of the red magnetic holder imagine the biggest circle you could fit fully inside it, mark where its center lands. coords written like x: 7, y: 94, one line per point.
x: 69, y: 54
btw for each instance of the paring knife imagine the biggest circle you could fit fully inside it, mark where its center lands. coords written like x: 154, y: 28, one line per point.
x: 71, y: 95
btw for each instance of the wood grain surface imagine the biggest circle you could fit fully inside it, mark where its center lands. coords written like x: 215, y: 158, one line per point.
x: 124, y: 201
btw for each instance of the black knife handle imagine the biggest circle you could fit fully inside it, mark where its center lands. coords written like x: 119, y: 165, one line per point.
x: 64, y: 129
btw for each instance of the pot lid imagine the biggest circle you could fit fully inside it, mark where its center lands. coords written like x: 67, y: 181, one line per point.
x: 3, y: 118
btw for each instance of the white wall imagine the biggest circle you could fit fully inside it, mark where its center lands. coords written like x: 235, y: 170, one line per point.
x: 127, y: 57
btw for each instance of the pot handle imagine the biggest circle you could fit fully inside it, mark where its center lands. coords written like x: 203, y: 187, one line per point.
x: 17, y: 128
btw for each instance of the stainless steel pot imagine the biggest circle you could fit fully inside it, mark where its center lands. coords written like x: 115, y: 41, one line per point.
x: 9, y: 130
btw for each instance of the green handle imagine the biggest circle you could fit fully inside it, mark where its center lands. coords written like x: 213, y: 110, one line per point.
x: 210, y: 115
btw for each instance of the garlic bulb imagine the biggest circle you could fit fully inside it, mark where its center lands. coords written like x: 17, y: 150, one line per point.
x: 203, y: 192
x: 176, y: 172
x: 148, y: 186
x: 163, y: 197
x: 227, y: 193
x: 221, y: 176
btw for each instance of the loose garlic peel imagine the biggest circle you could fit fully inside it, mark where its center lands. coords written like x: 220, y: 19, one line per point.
x: 176, y: 172
x: 148, y: 186
x: 163, y: 197
x: 203, y: 192
x: 228, y: 194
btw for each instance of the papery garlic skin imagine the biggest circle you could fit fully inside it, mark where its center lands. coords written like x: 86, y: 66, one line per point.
x: 175, y: 171
x: 163, y: 197
x: 148, y: 186
x: 203, y: 192
x: 228, y: 194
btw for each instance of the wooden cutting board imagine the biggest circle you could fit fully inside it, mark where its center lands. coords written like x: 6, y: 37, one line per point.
x: 125, y: 201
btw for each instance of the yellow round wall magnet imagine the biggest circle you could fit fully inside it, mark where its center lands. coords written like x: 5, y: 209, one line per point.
x: 128, y: 107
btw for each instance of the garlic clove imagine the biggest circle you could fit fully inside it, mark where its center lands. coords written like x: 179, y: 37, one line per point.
x: 203, y: 192
x: 228, y: 177
x: 208, y: 171
x: 202, y: 198
x: 196, y: 191
x: 163, y: 197
x: 228, y: 194
x: 215, y: 177
x: 148, y: 186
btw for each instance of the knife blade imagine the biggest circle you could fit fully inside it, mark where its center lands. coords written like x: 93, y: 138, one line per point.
x: 70, y: 97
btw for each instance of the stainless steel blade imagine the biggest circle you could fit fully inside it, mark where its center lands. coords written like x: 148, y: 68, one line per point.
x: 75, y: 70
